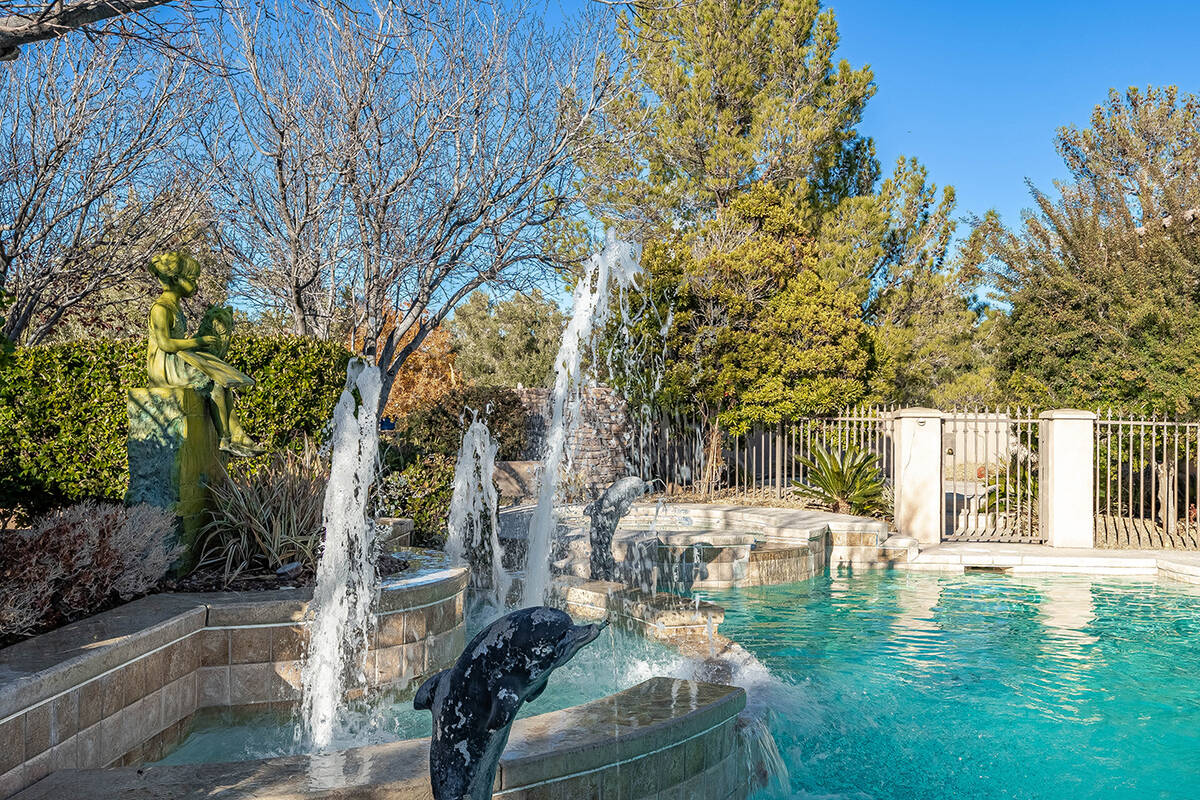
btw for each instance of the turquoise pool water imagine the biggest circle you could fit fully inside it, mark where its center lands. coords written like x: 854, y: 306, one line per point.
x: 902, y: 686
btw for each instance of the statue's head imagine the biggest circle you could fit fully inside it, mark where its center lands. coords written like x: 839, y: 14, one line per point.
x: 177, y: 270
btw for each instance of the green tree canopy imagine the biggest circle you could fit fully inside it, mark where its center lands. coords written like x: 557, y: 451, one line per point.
x: 507, y: 342
x: 893, y: 250
x: 1104, y: 278
x: 756, y: 335
x: 727, y: 93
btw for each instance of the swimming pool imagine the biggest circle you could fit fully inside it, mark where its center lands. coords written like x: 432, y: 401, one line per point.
x: 891, y: 685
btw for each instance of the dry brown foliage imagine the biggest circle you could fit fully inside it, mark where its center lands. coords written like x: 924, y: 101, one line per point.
x: 79, y: 560
x: 425, y: 377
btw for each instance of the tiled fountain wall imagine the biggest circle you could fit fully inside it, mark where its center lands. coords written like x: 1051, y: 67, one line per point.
x: 119, y: 688
x: 664, y: 739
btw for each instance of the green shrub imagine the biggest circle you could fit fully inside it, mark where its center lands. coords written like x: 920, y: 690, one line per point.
x: 63, y: 419
x: 848, y: 481
x: 297, y: 382
x: 63, y: 422
x: 439, y: 428
x: 1015, y: 486
x: 267, y: 518
x: 422, y: 492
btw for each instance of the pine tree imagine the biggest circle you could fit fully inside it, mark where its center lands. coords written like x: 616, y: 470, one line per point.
x: 507, y: 342
x: 1104, y: 278
x: 724, y: 93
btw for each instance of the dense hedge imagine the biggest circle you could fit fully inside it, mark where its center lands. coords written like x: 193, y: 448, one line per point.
x: 422, y: 491
x: 63, y: 419
x: 439, y: 428
x: 419, y: 456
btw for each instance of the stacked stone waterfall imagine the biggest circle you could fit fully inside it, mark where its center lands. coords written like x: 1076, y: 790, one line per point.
x: 616, y: 264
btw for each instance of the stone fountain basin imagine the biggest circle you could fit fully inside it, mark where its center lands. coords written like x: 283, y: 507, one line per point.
x: 664, y: 735
x: 740, y: 543
x: 689, y: 560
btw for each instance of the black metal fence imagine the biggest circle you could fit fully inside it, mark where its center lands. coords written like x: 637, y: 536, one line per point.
x: 769, y: 460
x: 1146, y: 482
x: 991, y: 475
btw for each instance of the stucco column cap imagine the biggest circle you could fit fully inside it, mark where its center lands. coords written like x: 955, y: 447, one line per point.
x: 1068, y: 413
x: 918, y: 413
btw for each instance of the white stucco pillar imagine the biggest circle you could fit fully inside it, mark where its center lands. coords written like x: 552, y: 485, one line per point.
x: 1065, y: 486
x: 917, y: 474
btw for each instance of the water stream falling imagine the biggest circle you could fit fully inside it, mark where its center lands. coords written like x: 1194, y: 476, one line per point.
x: 335, y: 656
x: 617, y: 262
x: 472, y: 537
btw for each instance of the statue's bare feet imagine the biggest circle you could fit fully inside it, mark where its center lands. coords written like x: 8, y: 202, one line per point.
x: 241, y: 447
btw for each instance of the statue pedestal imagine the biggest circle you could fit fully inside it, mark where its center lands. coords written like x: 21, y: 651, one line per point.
x: 172, y: 455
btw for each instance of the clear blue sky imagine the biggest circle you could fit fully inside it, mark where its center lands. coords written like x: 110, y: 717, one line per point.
x: 977, y: 89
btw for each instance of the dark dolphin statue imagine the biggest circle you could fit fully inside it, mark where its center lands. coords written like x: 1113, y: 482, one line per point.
x: 475, y: 701
x: 606, y: 512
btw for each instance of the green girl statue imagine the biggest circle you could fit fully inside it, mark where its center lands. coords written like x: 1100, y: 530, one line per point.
x: 175, y: 361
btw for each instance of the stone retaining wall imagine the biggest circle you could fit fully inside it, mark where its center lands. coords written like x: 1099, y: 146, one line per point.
x: 794, y: 543
x: 600, y: 442
x: 119, y: 688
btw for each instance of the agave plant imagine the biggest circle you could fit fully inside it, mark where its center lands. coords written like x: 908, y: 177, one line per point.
x: 847, y: 480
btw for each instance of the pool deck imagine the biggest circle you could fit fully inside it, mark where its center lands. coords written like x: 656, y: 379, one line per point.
x: 1180, y: 565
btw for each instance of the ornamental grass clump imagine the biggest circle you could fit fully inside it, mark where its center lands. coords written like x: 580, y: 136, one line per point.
x: 847, y: 480
x: 80, y: 560
x: 262, y: 520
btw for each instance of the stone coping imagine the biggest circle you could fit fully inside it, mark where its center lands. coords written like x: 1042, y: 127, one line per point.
x: 1033, y: 558
x: 661, y: 716
x: 38, y: 669
x: 654, y: 614
x: 774, y: 524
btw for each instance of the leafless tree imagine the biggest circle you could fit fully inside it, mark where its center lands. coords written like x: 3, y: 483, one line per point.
x: 154, y: 23
x: 91, y: 181
x: 277, y: 174
x: 454, y: 125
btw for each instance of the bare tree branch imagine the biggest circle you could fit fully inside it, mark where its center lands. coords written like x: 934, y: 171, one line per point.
x: 42, y: 21
x: 90, y: 179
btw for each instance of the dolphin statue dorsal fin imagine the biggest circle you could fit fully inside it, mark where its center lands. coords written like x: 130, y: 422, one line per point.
x: 423, y: 701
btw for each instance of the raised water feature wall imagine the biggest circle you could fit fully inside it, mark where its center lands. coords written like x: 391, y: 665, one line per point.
x: 119, y: 688
x: 599, y: 442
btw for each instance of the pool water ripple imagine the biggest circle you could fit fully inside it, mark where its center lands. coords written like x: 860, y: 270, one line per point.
x: 891, y: 685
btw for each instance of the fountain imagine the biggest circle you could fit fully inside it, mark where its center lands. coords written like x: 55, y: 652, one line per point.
x: 606, y: 512
x: 475, y: 702
x: 591, y: 311
x: 472, y: 528
x: 346, y: 581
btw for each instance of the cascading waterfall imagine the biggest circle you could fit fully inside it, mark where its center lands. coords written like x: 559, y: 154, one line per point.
x: 335, y: 658
x: 590, y: 312
x: 473, y: 531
